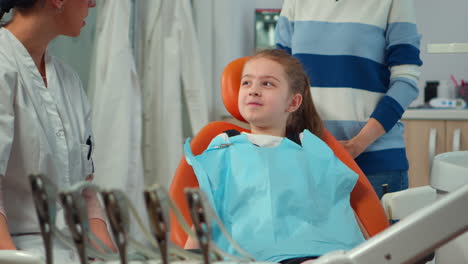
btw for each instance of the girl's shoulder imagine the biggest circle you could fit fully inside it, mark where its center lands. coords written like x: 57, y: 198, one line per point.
x: 306, y: 136
x: 219, y: 142
x: 314, y: 144
x: 225, y: 139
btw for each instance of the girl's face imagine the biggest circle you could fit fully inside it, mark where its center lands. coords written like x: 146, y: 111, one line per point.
x: 72, y: 19
x: 265, y: 99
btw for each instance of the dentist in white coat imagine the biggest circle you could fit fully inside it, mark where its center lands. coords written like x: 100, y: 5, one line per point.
x: 44, y: 119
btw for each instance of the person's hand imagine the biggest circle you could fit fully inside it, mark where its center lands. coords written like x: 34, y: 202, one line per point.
x: 368, y: 134
x: 6, y: 242
x: 99, y: 228
x: 353, y: 147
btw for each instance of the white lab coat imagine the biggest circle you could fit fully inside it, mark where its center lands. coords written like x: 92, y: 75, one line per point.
x: 116, y: 102
x: 42, y: 129
x: 170, y: 67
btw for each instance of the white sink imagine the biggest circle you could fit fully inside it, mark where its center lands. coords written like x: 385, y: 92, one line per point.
x: 450, y: 171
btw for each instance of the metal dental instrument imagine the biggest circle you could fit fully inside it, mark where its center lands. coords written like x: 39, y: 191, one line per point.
x: 118, y: 207
x: 174, y: 252
x: 76, y: 219
x: 201, y: 211
x: 201, y: 223
x: 119, y: 223
x: 44, y: 198
x: 158, y: 212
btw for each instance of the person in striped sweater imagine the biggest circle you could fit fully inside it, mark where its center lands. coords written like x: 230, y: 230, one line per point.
x: 362, y: 57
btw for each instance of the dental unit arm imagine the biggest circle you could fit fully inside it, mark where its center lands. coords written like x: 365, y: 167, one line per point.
x: 405, y: 242
x: 413, y: 237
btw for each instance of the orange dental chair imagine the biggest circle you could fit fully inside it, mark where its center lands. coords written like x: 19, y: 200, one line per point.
x: 363, y: 198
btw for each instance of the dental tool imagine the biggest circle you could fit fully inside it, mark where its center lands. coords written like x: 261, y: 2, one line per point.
x: 201, y: 212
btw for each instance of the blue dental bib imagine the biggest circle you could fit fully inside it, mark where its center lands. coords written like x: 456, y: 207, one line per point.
x: 281, y: 202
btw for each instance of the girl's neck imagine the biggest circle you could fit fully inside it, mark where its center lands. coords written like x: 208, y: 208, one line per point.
x: 35, y: 34
x: 278, y: 132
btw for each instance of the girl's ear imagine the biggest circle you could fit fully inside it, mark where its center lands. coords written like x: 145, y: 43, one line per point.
x: 295, y: 103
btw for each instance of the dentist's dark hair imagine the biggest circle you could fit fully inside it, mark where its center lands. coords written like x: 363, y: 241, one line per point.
x: 7, y: 5
x: 306, y: 116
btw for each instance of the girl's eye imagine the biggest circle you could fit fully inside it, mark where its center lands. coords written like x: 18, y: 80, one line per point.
x: 244, y: 83
x: 268, y: 83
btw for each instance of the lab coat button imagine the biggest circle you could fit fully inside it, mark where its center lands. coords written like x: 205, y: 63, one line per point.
x: 60, y: 133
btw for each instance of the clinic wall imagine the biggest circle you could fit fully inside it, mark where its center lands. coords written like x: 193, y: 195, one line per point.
x: 442, y: 22
x: 77, y: 52
x: 226, y: 31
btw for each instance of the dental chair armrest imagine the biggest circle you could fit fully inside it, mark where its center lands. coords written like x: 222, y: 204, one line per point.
x: 413, y: 238
x: 398, y: 205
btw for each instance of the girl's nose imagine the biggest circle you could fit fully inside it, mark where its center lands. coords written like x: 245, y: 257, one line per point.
x: 254, y: 92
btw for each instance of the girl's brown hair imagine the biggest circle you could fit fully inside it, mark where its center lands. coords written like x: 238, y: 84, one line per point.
x: 306, y: 116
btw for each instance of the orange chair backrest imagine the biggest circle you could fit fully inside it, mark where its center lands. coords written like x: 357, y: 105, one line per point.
x: 363, y: 198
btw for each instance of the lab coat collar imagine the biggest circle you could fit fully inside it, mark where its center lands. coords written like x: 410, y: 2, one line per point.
x: 28, y: 62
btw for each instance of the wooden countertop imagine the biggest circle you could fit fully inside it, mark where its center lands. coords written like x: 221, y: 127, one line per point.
x: 435, y: 114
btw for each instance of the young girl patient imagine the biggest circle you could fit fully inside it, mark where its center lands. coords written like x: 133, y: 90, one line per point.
x: 280, y: 191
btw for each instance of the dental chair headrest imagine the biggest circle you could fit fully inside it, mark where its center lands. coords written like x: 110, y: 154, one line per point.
x: 230, y: 84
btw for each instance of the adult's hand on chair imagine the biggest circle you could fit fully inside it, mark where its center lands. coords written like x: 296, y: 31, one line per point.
x: 354, y: 147
x: 368, y: 134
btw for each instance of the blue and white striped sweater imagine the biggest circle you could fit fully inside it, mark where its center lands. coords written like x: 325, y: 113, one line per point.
x: 362, y: 57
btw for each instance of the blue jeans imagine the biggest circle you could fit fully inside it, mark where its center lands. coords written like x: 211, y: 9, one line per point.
x: 396, y: 181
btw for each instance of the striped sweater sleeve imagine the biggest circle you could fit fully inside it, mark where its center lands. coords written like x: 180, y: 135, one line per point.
x: 402, y: 57
x: 285, y: 26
